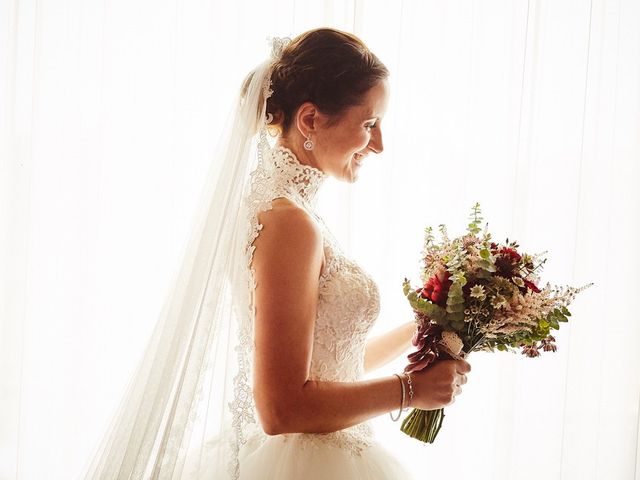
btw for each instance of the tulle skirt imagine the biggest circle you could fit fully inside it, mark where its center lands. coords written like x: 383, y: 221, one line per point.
x: 295, y: 457
x: 304, y: 457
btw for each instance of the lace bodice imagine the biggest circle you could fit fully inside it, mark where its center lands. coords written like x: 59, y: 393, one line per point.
x: 348, y: 301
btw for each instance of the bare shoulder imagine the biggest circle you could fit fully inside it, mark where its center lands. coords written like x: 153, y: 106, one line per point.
x: 288, y: 234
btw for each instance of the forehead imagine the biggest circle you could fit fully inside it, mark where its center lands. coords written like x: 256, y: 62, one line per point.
x: 374, y: 102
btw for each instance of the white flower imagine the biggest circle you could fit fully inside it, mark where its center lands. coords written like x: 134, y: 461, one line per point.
x: 477, y: 291
x: 498, y: 301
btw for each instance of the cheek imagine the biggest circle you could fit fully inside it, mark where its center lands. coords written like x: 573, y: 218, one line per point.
x: 346, y: 141
x: 360, y: 136
x: 357, y: 140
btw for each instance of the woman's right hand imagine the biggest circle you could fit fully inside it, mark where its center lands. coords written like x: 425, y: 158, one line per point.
x: 437, y: 385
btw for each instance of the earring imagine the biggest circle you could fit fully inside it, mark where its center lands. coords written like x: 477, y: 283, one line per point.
x: 308, y: 145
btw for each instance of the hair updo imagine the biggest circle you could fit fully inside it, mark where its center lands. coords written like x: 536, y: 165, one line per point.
x: 328, y: 67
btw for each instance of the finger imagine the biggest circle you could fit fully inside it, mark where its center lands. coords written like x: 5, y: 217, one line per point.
x: 462, y: 366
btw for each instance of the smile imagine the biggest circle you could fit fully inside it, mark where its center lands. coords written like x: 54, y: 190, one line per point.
x: 357, y: 158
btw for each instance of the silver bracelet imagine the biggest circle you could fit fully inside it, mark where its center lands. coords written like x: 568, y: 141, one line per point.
x: 401, y: 400
x: 410, y: 383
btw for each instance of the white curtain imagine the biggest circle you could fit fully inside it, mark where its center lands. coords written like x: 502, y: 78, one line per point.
x: 109, y: 112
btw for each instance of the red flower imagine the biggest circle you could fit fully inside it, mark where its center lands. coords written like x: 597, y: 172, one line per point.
x: 507, y: 259
x: 531, y: 286
x: 510, y: 253
x: 437, y: 288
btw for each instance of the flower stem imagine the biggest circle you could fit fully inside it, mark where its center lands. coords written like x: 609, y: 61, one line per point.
x: 423, y: 425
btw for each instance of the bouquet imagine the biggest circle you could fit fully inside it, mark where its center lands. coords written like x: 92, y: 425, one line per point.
x: 478, y: 295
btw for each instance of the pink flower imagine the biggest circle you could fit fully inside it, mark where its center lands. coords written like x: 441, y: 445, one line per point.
x: 548, y: 345
x: 530, y: 351
x: 426, y: 341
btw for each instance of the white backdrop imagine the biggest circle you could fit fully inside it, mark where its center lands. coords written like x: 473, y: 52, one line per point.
x: 109, y: 115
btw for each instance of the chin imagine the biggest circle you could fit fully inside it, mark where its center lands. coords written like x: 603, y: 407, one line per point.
x: 348, y: 172
x: 350, y: 177
x: 351, y: 174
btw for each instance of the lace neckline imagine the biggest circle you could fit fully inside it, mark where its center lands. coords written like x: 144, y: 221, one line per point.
x: 304, y: 179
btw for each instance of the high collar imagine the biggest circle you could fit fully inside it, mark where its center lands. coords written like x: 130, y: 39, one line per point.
x: 304, y: 179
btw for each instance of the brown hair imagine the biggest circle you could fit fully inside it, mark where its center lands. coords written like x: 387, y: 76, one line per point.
x: 328, y: 67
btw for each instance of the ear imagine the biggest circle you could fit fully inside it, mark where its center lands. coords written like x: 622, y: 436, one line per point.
x: 306, y: 120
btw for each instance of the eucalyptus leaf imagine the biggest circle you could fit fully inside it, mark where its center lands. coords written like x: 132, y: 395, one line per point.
x: 458, y: 325
x: 487, y: 265
x: 455, y: 308
x: 455, y: 300
x: 456, y: 317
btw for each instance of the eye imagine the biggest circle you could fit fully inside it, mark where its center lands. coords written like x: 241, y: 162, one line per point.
x: 370, y: 126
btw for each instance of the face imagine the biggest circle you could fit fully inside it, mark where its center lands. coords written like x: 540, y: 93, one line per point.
x: 341, y: 148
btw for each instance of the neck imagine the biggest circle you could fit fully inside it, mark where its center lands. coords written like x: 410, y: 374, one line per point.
x: 304, y: 179
x: 305, y: 157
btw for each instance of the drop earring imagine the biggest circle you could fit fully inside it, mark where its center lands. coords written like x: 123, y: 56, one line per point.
x: 308, y: 145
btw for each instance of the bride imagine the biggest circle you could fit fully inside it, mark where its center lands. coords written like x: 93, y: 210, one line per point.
x: 313, y: 305
x: 285, y: 400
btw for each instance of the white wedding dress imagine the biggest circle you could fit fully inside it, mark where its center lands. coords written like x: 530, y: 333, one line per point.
x: 348, y: 305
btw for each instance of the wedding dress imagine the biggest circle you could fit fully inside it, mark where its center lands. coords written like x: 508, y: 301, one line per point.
x: 348, y: 304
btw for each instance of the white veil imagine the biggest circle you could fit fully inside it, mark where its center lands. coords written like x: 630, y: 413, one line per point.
x: 189, y: 402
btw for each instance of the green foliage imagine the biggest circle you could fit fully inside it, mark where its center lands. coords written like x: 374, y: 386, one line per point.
x: 476, y: 219
x: 406, y: 287
x: 487, y: 266
x: 530, y: 337
x: 458, y: 278
x: 419, y: 304
x: 556, y: 316
x: 428, y: 237
x: 455, y: 290
x: 455, y: 308
x: 458, y: 323
x: 443, y: 231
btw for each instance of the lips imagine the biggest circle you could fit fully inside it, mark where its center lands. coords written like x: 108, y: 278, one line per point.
x: 357, y: 158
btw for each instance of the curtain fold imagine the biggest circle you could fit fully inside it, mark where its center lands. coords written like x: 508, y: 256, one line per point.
x: 109, y: 113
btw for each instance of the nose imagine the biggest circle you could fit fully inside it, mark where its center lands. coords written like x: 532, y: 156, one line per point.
x: 375, y: 143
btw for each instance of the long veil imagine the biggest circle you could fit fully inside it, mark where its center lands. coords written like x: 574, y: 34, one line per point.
x: 188, y: 405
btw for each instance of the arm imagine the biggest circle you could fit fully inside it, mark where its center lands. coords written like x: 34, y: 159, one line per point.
x: 383, y: 348
x: 287, y: 261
